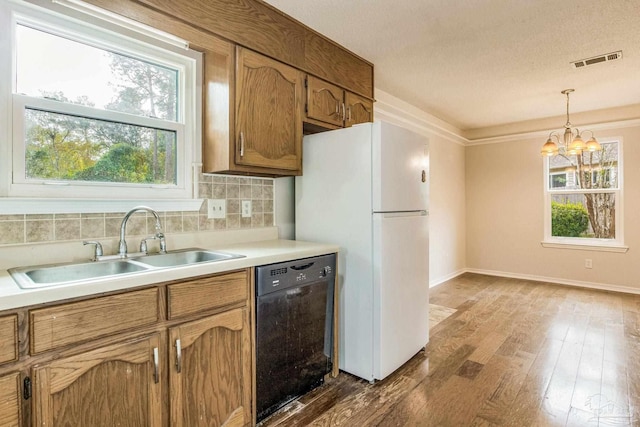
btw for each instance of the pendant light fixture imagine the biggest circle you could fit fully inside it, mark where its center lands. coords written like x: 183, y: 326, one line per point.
x: 572, y: 142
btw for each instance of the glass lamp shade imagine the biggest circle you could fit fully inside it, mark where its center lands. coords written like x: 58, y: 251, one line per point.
x: 577, y: 146
x: 593, y: 145
x: 549, y: 149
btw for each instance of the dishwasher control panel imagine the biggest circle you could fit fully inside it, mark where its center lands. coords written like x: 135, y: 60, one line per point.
x: 274, y: 277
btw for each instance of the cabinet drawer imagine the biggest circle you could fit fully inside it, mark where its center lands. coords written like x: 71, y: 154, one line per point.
x: 207, y: 293
x: 71, y: 323
x: 9, y: 338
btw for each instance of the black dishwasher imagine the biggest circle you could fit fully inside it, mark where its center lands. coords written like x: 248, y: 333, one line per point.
x: 294, y: 329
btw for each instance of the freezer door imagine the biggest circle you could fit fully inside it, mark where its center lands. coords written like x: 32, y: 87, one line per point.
x: 400, y: 166
x: 401, y: 289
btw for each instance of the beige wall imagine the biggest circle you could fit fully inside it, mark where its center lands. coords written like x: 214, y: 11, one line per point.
x: 504, y: 217
x: 447, y: 227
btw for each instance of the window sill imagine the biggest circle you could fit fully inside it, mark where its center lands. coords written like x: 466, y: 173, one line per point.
x: 586, y: 246
x: 16, y: 205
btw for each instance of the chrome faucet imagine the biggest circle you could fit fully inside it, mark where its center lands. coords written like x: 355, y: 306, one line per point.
x: 122, y: 246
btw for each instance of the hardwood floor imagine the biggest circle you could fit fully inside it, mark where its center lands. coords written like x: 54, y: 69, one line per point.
x: 513, y: 353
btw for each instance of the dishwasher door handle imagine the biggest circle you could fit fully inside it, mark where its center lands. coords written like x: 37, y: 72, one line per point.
x: 302, y: 267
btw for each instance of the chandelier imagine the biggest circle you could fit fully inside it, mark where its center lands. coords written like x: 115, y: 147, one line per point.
x: 571, y: 143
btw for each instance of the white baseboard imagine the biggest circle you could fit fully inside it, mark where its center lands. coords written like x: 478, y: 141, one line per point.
x: 441, y: 280
x: 555, y: 280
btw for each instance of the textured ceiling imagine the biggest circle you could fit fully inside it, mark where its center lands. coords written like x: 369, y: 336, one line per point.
x: 482, y: 63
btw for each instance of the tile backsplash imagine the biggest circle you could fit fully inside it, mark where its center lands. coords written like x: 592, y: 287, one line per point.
x: 28, y: 228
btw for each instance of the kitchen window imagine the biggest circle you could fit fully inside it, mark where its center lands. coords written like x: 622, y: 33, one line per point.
x: 98, y: 110
x: 583, y: 199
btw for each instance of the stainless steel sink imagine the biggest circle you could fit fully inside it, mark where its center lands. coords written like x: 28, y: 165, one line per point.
x: 59, y: 274
x: 184, y: 257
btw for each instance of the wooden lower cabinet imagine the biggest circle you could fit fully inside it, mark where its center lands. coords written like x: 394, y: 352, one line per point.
x: 116, y: 385
x: 210, y: 372
x: 10, y: 400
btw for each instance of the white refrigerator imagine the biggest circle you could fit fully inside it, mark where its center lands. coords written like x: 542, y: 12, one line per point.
x: 366, y: 189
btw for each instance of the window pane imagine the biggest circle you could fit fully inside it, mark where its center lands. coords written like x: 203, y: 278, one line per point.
x: 589, y: 215
x: 54, y: 67
x: 586, y: 171
x: 558, y: 180
x: 71, y: 148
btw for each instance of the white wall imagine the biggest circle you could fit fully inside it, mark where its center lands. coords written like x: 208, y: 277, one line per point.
x: 447, y: 224
x: 504, y: 210
x: 284, y: 206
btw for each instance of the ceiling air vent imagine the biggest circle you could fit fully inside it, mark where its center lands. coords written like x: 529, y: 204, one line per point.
x: 597, y: 59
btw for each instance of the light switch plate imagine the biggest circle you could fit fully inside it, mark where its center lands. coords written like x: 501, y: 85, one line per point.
x: 246, y: 209
x: 217, y: 208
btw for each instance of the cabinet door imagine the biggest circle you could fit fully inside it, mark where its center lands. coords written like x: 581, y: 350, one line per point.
x: 210, y: 371
x: 10, y: 400
x: 116, y: 385
x: 268, y: 113
x: 359, y: 109
x: 324, y: 101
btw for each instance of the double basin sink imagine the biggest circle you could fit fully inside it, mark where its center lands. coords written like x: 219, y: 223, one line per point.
x: 59, y: 274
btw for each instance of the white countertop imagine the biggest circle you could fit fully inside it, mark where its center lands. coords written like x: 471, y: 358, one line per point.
x: 256, y: 253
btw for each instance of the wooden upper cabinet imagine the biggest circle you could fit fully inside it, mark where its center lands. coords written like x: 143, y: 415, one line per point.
x: 325, y: 101
x: 10, y: 415
x: 268, y: 113
x: 116, y: 385
x: 358, y: 109
x: 215, y: 351
x: 329, y: 104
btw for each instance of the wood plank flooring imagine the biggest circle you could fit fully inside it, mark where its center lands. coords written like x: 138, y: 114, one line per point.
x: 505, y: 352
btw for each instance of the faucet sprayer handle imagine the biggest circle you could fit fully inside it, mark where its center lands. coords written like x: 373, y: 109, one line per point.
x: 163, y: 243
x: 97, y: 252
x: 143, y: 243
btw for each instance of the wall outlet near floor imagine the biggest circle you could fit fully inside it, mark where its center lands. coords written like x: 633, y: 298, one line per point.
x: 246, y: 209
x: 217, y: 208
x: 588, y: 263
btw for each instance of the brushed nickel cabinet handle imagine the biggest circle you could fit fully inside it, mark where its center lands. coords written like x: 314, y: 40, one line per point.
x: 349, y: 113
x: 337, y: 107
x: 156, y: 365
x: 241, y: 144
x: 178, y: 356
x: 343, y: 112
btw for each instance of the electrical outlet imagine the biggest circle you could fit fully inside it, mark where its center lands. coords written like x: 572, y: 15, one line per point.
x: 217, y: 208
x: 588, y: 263
x: 246, y: 209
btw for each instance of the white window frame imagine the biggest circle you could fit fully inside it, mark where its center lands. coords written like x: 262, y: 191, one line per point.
x: 605, y: 245
x: 18, y: 195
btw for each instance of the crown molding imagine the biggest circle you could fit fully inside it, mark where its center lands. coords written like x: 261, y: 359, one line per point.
x: 390, y: 108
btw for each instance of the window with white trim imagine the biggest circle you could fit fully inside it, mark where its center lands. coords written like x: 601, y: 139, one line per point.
x: 583, y: 197
x: 98, y: 110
